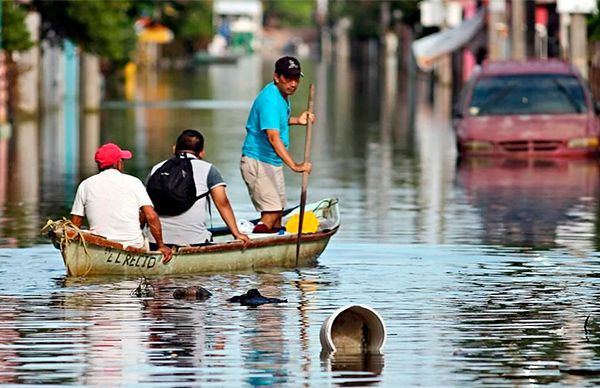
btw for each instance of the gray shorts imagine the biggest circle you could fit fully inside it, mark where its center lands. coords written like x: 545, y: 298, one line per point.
x: 266, y: 184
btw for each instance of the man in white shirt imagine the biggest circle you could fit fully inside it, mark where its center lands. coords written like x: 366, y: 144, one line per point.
x: 112, y: 201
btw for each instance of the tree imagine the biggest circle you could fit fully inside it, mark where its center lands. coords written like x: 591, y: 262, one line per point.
x: 593, y: 26
x: 290, y: 13
x: 190, y: 21
x: 104, y: 28
x: 15, y: 36
x: 365, y: 15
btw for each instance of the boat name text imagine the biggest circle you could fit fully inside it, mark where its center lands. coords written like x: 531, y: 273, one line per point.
x: 130, y: 260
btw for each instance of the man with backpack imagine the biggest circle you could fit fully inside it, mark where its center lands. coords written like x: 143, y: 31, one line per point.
x: 179, y: 188
x: 115, y: 203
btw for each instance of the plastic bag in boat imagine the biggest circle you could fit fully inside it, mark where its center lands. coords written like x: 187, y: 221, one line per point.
x: 245, y: 226
x: 310, y: 223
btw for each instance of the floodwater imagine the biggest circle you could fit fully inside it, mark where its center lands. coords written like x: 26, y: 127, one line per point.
x: 484, y: 271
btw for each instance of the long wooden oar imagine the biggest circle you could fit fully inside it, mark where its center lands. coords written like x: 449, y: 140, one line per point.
x: 311, y: 95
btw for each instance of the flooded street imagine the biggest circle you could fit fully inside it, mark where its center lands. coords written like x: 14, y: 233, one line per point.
x: 485, y: 271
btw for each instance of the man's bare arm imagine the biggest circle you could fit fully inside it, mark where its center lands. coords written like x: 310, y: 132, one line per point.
x: 221, y: 201
x: 283, y: 153
x: 156, y: 230
x: 76, y: 220
x: 302, y: 119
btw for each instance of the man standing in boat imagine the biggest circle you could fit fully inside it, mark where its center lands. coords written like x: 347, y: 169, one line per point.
x: 267, y: 139
x: 114, y: 203
x: 189, y: 227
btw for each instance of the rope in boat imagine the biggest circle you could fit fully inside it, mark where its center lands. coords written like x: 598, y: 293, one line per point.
x: 328, y: 202
x: 63, y: 225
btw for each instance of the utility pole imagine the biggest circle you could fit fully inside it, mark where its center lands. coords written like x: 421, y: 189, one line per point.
x: 578, y: 44
x: 4, y: 129
x: 29, y: 63
x: 518, y: 29
x: 3, y: 81
x: 577, y: 9
x: 497, y: 30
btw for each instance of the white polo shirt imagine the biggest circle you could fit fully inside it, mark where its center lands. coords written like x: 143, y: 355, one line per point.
x: 111, y: 200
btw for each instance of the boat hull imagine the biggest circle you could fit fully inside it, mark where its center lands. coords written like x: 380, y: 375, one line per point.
x: 87, y: 254
x: 276, y: 252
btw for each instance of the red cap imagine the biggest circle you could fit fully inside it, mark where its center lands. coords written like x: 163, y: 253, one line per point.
x: 109, y: 154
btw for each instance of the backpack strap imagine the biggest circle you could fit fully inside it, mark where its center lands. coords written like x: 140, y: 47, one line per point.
x: 203, y: 195
x: 184, y: 155
x: 209, y: 215
x: 208, y: 204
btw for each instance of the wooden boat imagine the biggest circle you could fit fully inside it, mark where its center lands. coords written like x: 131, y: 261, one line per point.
x: 87, y: 254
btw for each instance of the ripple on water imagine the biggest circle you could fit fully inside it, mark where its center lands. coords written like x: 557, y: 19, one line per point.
x: 454, y: 316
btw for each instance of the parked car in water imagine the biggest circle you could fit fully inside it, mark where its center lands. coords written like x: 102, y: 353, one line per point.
x: 528, y: 108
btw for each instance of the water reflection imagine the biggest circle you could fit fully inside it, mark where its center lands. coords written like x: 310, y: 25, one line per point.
x: 414, y: 244
x: 265, y: 353
x: 533, y: 203
x: 89, y: 141
x: 526, y: 321
x: 354, y: 370
x: 8, y: 337
x: 22, y: 187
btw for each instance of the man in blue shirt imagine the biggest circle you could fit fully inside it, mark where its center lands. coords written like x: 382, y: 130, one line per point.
x: 265, y: 148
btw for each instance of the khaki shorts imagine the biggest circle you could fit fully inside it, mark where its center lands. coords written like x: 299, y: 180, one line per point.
x: 266, y: 184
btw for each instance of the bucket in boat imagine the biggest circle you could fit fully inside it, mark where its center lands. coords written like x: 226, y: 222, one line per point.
x: 353, y: 329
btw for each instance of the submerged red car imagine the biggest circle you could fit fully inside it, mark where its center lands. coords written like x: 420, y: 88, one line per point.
x: 530, y: 108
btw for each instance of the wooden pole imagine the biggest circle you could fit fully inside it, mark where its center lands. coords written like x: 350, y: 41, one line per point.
x: 518, y: 30
x: 578, y: 43
x: 311, y: 95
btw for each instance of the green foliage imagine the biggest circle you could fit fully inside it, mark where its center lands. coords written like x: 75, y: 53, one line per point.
x: 290, y: 13
x: 593, y: 26
x: 366, y: 15
x: 411, y: 14
x: 190, y: 21
x: 101, y: 27
x: 15, y: 36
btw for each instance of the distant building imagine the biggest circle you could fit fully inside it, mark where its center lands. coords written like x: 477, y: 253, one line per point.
x: 239, y: 23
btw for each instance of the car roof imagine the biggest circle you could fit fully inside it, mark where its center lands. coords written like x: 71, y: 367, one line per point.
x: 550, y: 66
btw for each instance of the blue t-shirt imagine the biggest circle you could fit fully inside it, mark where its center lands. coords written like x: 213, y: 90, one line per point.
x: 269, y: 111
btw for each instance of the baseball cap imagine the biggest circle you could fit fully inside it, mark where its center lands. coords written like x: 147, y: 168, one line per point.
x: 109, y: 154
x: 288, y: 66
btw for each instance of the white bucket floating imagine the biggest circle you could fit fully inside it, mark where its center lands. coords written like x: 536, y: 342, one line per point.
x: 353, y: 329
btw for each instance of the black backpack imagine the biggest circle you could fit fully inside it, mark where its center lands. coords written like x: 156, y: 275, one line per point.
x: 171, y: 188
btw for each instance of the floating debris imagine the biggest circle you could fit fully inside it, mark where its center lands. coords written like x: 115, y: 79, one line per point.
x: 192, y: 292
x: 254, y: 298
x: 144, y: 289
x: 581, y: 371
x: 353, y: 329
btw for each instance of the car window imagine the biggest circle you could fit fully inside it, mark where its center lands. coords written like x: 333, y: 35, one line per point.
x: 527, y: 94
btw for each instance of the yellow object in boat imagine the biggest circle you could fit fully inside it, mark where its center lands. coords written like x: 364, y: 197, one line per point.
x: 310, y: 223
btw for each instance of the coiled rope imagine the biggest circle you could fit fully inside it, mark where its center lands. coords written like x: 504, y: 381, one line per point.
x: 61, y: 227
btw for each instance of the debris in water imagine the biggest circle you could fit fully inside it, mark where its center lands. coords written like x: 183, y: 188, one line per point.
x: 254, y: 298
x: 192, y: 292
x: 144, y: 289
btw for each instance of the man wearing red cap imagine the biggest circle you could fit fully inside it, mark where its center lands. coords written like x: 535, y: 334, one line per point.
x: 265, y: 148
x: 112, y: 201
